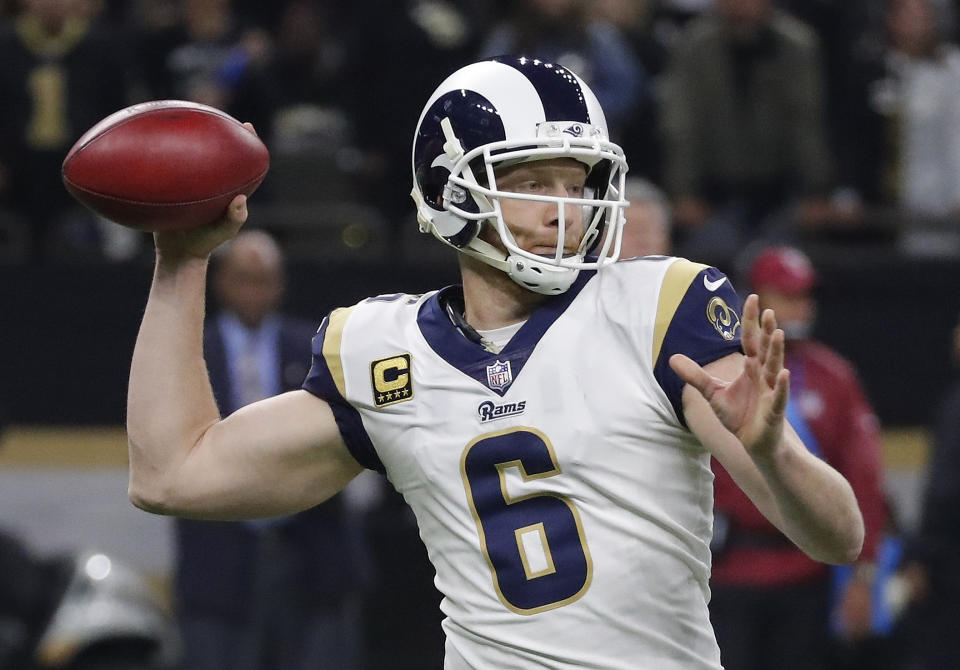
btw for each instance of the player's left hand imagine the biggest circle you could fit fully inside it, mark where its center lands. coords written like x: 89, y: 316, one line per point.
x: 751, y: 406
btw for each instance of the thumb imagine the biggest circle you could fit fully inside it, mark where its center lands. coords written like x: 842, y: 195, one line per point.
x: 237, y: 214
x: 226, y: 227
x: 691, y: 372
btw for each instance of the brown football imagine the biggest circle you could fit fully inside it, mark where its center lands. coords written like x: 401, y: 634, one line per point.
x: 167, y: 165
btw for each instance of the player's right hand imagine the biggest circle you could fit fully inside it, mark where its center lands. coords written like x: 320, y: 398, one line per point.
x: 173, y: 248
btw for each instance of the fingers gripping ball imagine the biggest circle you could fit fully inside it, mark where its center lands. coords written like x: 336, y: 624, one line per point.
x: 163, y: 166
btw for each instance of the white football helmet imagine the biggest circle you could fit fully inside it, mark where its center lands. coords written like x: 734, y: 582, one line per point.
x: 504, y: 111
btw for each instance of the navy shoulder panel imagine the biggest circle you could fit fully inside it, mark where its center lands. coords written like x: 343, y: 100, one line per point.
x: 699, y: 316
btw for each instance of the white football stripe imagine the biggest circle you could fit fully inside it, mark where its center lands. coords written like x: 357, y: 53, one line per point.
x: 507, y: 89
x: 594, y: 109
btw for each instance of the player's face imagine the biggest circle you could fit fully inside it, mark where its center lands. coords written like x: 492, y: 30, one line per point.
x: 535, y: 224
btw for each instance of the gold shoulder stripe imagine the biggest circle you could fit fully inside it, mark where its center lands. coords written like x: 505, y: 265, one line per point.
x: 675, y: 284
x: 332, y: 341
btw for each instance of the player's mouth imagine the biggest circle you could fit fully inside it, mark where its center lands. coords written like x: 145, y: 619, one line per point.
x: 551, y: 252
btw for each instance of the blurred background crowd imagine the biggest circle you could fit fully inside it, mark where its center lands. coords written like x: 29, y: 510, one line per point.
x: 829, y: 127
x: 810, y: 120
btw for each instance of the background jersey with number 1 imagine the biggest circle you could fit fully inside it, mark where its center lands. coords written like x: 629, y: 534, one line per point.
x: 565, y: 506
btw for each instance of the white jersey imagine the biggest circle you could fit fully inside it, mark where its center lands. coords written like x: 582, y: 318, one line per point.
x: 564, y: 505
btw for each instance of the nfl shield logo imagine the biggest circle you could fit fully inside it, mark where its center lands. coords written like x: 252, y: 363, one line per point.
x: 499, y: 375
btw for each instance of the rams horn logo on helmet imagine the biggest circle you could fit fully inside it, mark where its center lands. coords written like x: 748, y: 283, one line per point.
x: 444, y: 161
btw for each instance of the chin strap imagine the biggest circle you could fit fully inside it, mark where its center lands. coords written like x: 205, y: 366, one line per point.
x: 533, y: 275
x: 486, y: 252
x: 540, y: 277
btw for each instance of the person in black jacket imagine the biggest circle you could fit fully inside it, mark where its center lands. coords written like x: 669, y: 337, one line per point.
x: 269, y: 593
x: 931, y: 568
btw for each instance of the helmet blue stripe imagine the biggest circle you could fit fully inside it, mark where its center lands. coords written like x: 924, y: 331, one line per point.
x: 559, y: 89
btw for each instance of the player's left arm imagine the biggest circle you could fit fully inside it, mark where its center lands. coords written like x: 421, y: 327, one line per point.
x: 735, y: 406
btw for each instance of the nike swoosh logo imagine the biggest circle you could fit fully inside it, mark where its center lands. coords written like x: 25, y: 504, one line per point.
x: 713, y: 285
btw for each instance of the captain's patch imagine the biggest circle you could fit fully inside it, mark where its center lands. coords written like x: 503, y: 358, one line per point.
x: 392, y: 380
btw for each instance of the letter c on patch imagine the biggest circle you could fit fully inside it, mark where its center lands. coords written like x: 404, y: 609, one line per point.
x: 400, y: 377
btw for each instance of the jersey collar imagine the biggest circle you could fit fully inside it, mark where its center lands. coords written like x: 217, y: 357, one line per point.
x: 446, y: 331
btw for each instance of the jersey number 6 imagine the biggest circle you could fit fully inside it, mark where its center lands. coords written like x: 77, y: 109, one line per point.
x: 534, y: 543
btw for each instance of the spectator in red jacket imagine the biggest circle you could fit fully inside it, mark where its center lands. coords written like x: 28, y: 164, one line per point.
x: 771, y: 605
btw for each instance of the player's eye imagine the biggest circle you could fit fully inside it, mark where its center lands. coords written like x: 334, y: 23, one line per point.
x: 531, y: 186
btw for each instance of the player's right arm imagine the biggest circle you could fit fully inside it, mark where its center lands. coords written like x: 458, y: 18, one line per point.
x: 274, y: 457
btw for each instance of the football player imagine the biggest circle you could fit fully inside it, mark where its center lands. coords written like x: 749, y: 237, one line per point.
x: 550, y: 421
